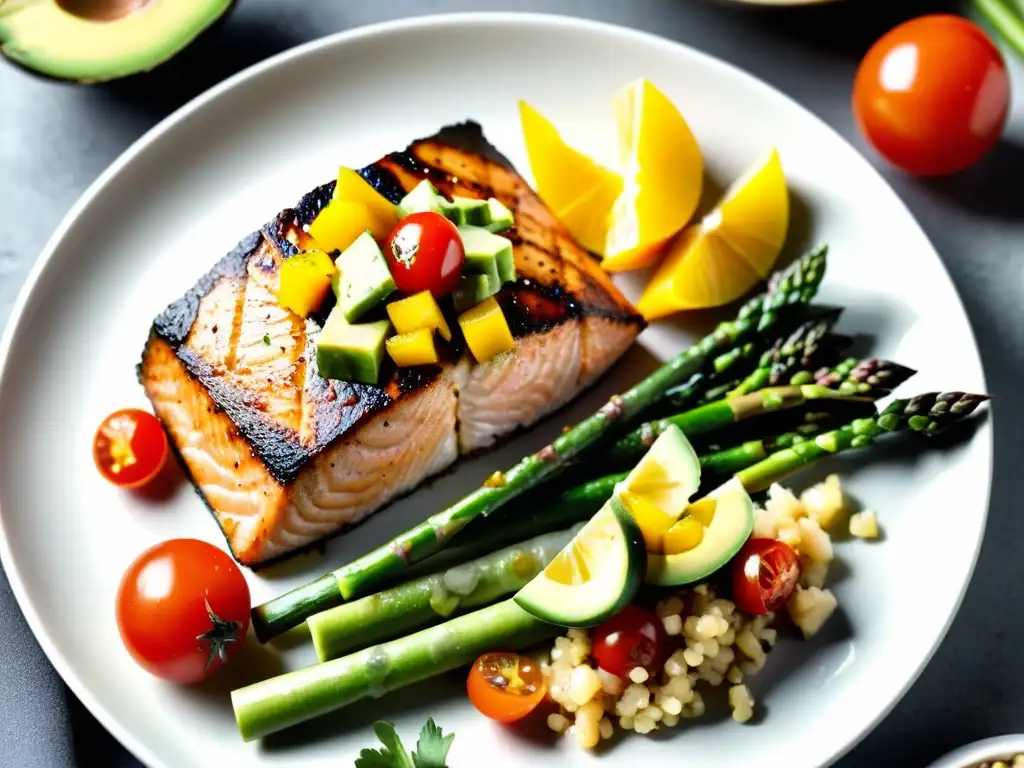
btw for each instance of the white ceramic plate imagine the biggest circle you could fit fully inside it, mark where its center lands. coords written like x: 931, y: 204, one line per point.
x: 224, y: 164
x: 987, y: 750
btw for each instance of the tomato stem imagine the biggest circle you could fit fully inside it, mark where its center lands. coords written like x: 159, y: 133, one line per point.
x: 219, y: 636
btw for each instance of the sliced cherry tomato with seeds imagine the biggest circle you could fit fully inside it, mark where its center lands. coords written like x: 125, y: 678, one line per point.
x: 505, y: 686
x: 632, y: 638
x: 130, y: 447
x: 183, y: 610
x: 764, y: 575
x: 425, y: 253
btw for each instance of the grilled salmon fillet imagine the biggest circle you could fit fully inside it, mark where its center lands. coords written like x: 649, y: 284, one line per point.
x: 283, y: 457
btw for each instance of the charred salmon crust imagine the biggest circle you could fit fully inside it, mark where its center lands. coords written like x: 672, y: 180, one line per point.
x: 283, y: 457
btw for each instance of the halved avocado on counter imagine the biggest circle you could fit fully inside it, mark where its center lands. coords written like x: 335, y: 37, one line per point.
x: 97, y: 40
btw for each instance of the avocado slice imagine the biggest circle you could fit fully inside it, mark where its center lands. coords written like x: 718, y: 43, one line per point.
x: 425, y: 197
x: 732, y: 520
x: 350, y: 351
x: 47, y: 39
x: 469, y: 210
x: 499, y: 217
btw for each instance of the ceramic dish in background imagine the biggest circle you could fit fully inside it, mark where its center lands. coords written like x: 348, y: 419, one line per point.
x: 186, y: 192
x: 984, y: 751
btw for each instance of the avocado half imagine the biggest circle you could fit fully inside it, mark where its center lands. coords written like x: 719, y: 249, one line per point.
x: 44, y: 37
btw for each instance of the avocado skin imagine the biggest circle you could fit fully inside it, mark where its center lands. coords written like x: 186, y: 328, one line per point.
x: 7, y: 40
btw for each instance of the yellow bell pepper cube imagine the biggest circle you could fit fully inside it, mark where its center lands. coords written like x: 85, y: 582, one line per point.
x: 486, y: 330
x: 416, y: 348
x: 352, y: 186
x: 340, y: 222
x: 304, y: 282
x: 418, y: 311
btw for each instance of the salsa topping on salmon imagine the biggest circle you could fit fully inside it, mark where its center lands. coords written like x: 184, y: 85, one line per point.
x: 285, y: 457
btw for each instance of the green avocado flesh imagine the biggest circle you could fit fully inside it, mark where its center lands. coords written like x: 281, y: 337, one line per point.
x: 365, y: 280
x: 668, y: 476
x: 43, y: 37
x: 610, y: 552
x: 425, y: 197
x: 472, y: 289
x: 488, y: 253
x: 350, y: 352
x: 725, y: 535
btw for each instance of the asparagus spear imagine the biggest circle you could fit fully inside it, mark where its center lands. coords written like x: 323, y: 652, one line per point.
x: 527, y: 518
x: 871, y: 376
x: 788, y: 291
x: 792, y: 353
x: 928, y: 414
x: 427, y: 600
x: 728, y: 369
x: 286, y: 700
x: 723, y: 413
x: 280, y: 702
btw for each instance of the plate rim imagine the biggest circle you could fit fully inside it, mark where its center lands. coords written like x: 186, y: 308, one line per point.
x: 345, y: 37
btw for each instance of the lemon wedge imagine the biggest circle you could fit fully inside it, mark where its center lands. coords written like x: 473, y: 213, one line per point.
x: 663, y: 174
x: 578, y: 190
x: 729, y: 251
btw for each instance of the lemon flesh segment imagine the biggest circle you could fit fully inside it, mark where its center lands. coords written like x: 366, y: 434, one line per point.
x: 587, y: 217
x: 719, y: 259
x: 578, y: 190
x: 753, y: 217
x: 594, y: 577
x: 663, y: 174
x: 699, y: 271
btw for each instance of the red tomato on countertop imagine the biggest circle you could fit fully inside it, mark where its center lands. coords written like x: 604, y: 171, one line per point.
x: 933, y: 94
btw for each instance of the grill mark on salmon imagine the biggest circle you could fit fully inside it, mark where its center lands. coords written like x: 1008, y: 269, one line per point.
x: 283, y: 457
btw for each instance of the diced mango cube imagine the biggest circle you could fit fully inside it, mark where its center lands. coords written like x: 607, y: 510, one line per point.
x: 338, y: 225
x: 418, y: 311
x: 486, y: 330
x: 415, y: 348
x: 304, y: 282
x: 304, y: 241
x: 352, y: 186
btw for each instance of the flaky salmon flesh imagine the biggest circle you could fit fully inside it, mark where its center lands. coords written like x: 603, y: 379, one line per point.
x: 283, y: 457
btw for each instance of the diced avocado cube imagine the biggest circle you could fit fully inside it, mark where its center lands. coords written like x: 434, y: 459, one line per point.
x: 469, y: 210
x: 365, y: 278
x: 486, y: 245
x: 499, y: 217
x: 472, y: 289
x: 350, y: 351
x: 424, y: 197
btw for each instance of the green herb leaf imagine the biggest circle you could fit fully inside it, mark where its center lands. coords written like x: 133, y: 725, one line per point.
x: 266, y: 339
x: 393, y: 755
x: 432, y: 747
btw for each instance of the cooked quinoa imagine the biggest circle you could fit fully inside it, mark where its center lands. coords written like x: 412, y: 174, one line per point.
x: 716, y: 644
x: 1017, y: 761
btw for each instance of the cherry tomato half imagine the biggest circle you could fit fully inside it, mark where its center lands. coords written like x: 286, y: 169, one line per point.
x: 764, y: 575
x: 183, y: 610
x: 632, y: 638
x: 505, y: 686
x: 130, y: 447
x: 932, y: 95
x: 425, y: 253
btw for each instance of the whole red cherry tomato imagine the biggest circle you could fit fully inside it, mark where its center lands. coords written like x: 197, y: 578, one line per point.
x: 634, y: 637
x: 932, y: 95
x: 764, y: 575
x: 130, y: 447
x: 505, y: 686
x: 183, y: 610
x: 425, y: 253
